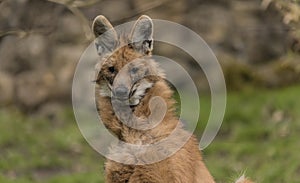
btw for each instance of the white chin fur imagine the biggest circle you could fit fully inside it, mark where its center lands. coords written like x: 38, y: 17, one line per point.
x: 140, y: 92
x: 104, y: 91
x: 241, y: 179
x: 141, y: 88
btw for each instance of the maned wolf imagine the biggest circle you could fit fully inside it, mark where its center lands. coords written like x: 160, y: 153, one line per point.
x: 127, y: 80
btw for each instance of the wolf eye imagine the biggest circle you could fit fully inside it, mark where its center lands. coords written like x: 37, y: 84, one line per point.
x: 130, y: 45
x: 111, y: 69
x: 134, y: 70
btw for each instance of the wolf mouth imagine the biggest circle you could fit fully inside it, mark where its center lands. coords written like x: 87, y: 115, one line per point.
x: 133, y: 95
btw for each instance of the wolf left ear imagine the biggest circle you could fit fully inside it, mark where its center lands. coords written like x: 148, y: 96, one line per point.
x: 108, y: 41
x: 142, y: 35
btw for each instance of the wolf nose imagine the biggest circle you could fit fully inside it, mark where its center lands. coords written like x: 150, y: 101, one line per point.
x: 121, y: 92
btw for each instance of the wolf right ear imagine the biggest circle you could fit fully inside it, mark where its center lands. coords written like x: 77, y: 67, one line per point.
x: 142, y: 35
x: 108, y: 41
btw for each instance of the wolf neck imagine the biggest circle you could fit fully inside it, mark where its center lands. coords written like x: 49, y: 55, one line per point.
x: 163, y: 127
x: 134, y: 136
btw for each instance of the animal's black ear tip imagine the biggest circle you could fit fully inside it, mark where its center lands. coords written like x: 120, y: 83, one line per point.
x: 100, y: 25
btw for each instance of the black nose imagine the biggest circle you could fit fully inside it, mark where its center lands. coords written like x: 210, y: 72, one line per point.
x: 121, y: 92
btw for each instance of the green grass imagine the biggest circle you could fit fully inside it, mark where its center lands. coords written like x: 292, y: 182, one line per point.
x: 38, y: 150
x: 259, y: 136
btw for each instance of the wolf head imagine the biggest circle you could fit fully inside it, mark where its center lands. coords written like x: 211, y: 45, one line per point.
x: 126, y: 71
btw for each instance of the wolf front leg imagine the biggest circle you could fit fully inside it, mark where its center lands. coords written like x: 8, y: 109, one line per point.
x: 117, y: 172
x: 154, y: 173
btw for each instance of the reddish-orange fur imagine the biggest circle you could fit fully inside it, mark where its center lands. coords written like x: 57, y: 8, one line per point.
x: 185, y: 166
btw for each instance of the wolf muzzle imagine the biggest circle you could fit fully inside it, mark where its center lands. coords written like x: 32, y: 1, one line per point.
x: 121, y: 92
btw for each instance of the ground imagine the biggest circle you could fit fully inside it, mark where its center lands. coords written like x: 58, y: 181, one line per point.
x: 259, y: 136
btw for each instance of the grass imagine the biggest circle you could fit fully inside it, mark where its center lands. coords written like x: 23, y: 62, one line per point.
x: 259, y: 136
x: 38, y: 150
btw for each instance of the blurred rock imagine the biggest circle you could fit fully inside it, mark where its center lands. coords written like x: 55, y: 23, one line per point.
x: 240, y: 28
x: 51, y: 111
x: 34, y: 88
x: 69, y: 30
x: 8, y: 60
x: 283, y: 72
x: 18, y: 55
x: 63, y: 64
x: 238, y: 75
x: 6, y: 89
x: 31, y: 52
x: 42, y: 41
x: 29, y: 14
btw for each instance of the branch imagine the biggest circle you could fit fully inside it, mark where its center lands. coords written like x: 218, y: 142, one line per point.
x: 23, y: 33
x: 84, y: 22
x: 144, y: 9
x: 75, y: 3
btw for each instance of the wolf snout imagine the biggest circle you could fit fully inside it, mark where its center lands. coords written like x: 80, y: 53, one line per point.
x: 121, y: 92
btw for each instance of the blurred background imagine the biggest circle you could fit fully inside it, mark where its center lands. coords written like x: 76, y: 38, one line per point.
x: 257, y: 43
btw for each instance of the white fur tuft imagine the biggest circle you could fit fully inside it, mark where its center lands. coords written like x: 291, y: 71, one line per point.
x: 141, y: 89
x: 104, y: 91
x: 241, y: 179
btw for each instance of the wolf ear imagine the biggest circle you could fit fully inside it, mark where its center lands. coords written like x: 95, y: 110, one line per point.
x: 142, y: 35
x: 108, y: 41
